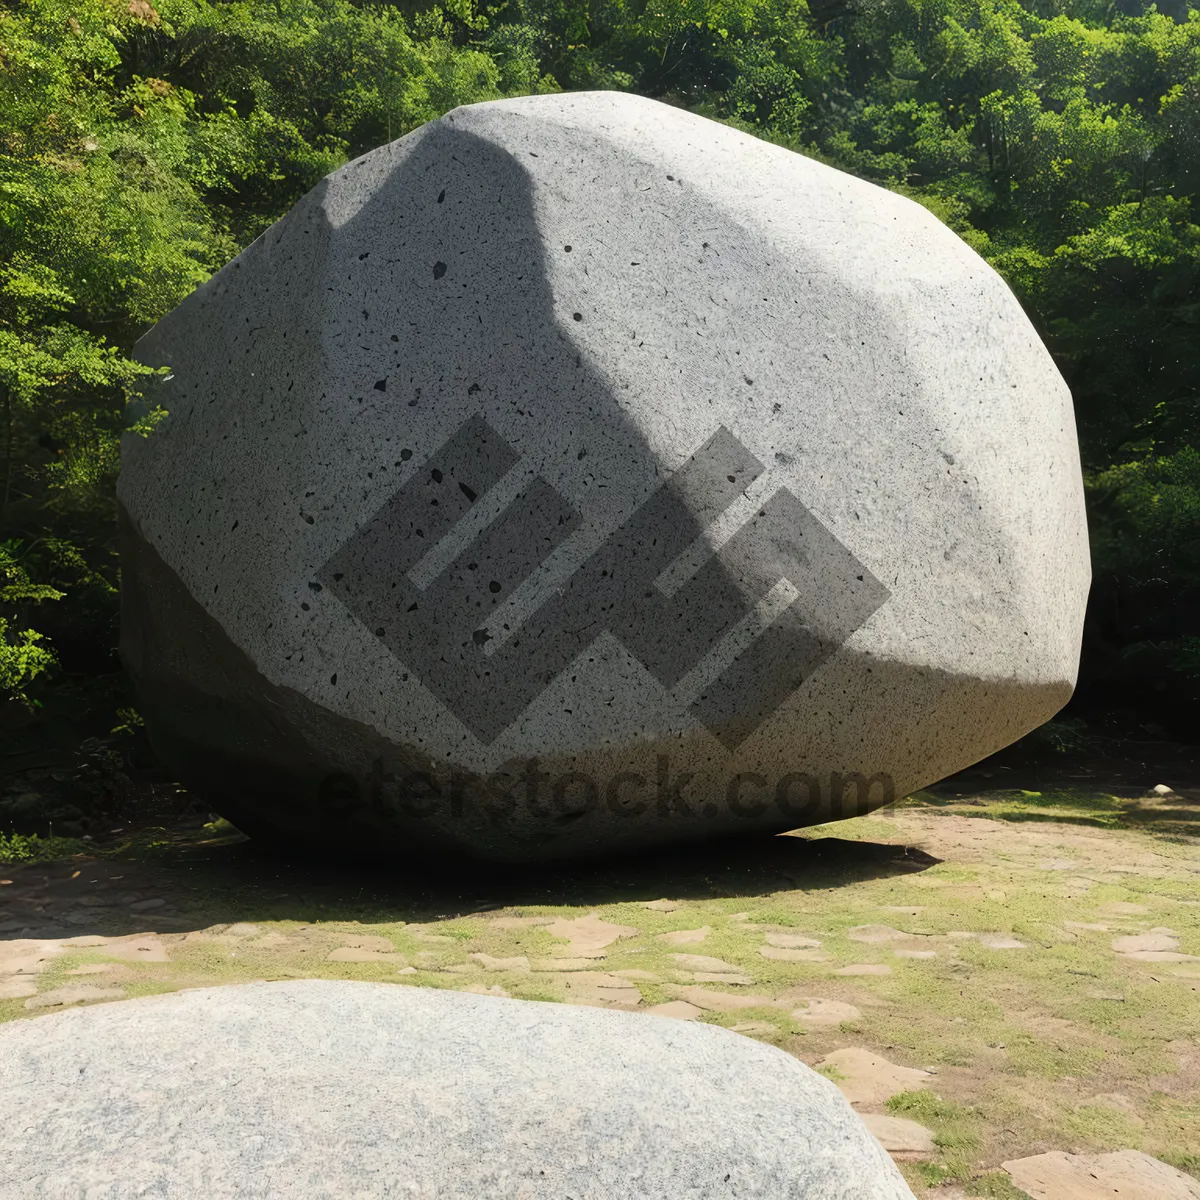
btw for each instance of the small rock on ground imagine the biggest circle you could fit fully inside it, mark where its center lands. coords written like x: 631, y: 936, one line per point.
x: 1127, y: 1174
x: 16, y: 987
x: 868, y: 1080
x: 685, y: 937
x: 754, y: 1028
x: 788, y: 954
x: 361, y: 954
x: 1000, y: 941
x: 597, y: 989
x: 792, y: 941
x: 877, y: 935
x: 1156, y: 939
x: 818, y: 1011
x: 358, y: 941
x: 899, y: 1137
x: 703, y: 962
x: 23, y: 956
x: 589, y: 935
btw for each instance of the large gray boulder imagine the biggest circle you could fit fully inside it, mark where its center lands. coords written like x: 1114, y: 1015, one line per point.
x: 318, y: 1089
x: 577, y: 473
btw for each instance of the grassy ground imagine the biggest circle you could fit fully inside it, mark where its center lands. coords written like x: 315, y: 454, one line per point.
x: 997, y: 920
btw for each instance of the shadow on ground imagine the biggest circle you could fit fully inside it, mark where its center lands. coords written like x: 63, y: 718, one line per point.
x: 1036, y: 972
x: 189, y: 880
x: 1173, y: 816
x: 1121, y: 768
x: 1153, y: 787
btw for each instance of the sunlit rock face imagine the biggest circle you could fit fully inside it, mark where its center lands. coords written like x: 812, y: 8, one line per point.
x: 329, y: 1088
x: 577, y: 473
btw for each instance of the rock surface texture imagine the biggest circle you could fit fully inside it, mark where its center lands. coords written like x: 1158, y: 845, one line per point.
x: 577, y: 473
x: 340, y: 1089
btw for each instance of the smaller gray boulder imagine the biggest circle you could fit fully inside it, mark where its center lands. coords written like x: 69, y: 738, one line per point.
x: 321, y: 1089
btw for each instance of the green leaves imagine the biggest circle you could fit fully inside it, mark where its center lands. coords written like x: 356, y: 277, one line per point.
x: 23, y: 658
x: 23, y: 654
x: 140, y: 148
x: 142, y: 144
x: 15, y: 585
x: 1151, y: 513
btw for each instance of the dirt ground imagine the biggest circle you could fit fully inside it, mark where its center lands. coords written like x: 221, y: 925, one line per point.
x: 1006, y: 965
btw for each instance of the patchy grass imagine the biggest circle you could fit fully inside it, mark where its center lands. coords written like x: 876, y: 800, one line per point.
x: 995, y: 1185
x: 1170, y: 818
x: 1029, y: 1042
x: 955, y: 1128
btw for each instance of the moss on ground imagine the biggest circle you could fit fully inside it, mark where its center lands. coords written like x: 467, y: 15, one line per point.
x: 1041, y: 1034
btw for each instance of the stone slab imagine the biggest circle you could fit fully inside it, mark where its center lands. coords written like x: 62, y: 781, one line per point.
x: 899, y: 1136
x: 1127, y: 1174
x: 867, y: 1079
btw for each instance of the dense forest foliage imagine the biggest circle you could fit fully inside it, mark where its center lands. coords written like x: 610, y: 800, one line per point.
x: 143, y: 142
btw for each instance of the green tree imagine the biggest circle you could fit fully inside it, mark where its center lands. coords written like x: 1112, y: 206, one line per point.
x: 142, y: 146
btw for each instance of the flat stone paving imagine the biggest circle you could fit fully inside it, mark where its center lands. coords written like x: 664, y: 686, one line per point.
x: 1034, y: 964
